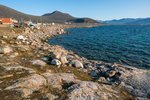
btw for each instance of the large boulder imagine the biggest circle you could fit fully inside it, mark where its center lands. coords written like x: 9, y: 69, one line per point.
x: 5, y: 50
x: 57, y: 80
x: 21, y: 37
x: 26, y: 86
x: 138, y: 83
x: 63, y: 60
x: 77, y: 64
x: 38, y: 62
x: 56, y: 62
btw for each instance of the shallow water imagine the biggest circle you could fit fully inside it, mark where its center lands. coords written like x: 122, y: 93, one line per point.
x: 128, y: 45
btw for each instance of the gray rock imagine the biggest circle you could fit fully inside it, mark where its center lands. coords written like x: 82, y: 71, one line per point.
x: 140, y: 98
x: 56, y: 62
x: 140, y: 81
x: 38, y: 62
x: 77, y: 64
x: 69, y: 57
x: 94, y: 73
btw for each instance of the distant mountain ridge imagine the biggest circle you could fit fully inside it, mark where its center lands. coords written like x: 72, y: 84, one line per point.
x: 129, y: 21
x: 55, y: 16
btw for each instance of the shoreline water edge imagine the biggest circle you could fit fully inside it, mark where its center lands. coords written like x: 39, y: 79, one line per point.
x: 32, y: 68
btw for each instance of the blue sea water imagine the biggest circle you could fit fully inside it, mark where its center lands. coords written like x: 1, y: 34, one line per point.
x: 129, y: 45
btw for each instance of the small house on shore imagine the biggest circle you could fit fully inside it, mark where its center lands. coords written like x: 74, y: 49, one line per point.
x: 7, y: 21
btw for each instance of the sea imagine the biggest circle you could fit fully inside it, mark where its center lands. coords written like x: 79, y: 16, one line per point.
x: 123, y: 44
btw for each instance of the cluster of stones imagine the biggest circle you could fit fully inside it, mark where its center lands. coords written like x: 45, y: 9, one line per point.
x: 106, y: 74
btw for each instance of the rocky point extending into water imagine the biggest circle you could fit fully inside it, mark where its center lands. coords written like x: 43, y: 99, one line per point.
x: 32, y: 69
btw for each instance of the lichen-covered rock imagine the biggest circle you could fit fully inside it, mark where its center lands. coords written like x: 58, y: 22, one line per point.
x: 26, y: 86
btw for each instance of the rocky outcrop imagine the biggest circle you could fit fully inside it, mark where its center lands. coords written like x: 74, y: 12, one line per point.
x: 26, y: 86
x: 90, y: 91
x: 57, y: 80
x: 138, y: 83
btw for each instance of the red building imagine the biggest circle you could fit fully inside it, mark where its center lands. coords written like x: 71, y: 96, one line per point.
x: 6, y: 21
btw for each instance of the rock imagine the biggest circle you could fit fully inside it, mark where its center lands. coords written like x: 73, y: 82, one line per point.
x: 63, y: 60
x: 5, y: 37
x: 26, y: 86
x: 2, y: 42
x: 14, y: 55
x: 111, y: 73
x: 6, y: 76
x: 56, y: 62
x: 27, y: 30
x: 102, y: 80
x: 128, y: 88
x: 19, y: 68
x: 140, y: 98
x: 87, y: 91
x: 56, y: 80
x: 21, y: 37
x: 138, y: 83
x: 50, y: 96
x: 38, y: 62
x: 57, y: 53
x: 77, y: 64
x: 5, y: 50
x: 94, y: 73
x: 69, y: 57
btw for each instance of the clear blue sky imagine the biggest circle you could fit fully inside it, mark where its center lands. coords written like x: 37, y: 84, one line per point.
x: 97, y: 9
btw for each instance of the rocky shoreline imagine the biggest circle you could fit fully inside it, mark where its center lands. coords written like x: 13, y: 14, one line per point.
x: 32, y: 69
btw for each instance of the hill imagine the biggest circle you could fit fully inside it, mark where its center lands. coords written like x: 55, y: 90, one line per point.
x: 58, y: 16
x: 142, y: 21
x: 9, y: 12
x: 83, y: 20
x: 129, y: 21
x: 55, y: 16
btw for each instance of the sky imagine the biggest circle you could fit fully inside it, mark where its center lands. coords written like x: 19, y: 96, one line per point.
x: 96, y: 9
